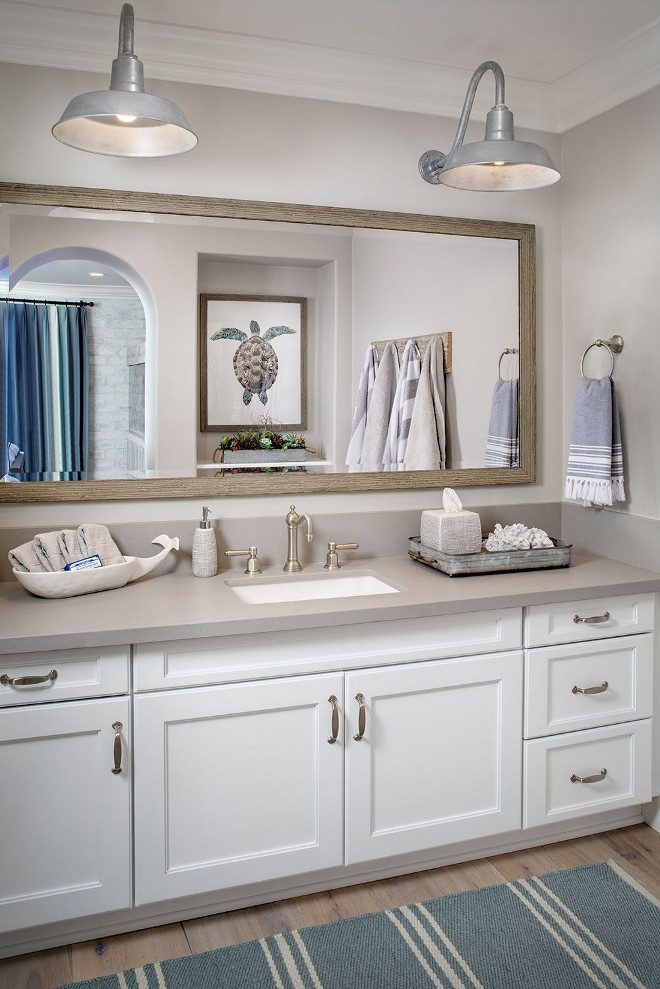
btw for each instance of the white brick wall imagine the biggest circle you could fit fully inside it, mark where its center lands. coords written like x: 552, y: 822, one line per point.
x: 113, y: 325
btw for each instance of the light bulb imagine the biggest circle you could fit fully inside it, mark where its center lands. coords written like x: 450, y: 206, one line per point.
x: 125, y: 118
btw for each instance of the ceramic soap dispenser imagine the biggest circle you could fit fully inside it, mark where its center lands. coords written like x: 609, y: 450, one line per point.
x: 205, y: 549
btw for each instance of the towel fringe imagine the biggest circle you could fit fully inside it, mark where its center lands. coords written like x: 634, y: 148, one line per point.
x: 592, y: 492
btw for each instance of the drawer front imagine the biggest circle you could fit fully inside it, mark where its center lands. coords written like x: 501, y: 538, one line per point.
x: 226, y: 659
x: 587, y: 685
x: 575, y: 621
x: 553, y: 791
x: 63, y: 675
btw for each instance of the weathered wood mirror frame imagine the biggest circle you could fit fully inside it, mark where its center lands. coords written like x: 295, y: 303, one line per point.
x: 198, y: 487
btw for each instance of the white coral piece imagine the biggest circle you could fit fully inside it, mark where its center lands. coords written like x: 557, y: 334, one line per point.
x: 516, y: 536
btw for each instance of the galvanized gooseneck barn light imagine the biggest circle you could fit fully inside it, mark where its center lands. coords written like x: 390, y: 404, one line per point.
x: 499, y: 163
x: 124, y: 120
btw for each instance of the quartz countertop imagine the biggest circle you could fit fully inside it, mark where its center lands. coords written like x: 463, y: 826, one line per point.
x: 180, y: 606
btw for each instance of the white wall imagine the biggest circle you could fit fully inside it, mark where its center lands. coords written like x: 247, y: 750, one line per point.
x: 611, y: 260
x: 255, y: 146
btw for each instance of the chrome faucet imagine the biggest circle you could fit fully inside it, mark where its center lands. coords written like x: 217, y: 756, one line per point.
x: 293, y: 521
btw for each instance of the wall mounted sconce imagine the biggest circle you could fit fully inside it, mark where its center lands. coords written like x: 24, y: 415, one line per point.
x: 124, y: 120
x: 499, y: 163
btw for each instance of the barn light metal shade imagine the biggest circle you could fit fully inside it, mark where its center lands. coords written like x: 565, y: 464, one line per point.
x: 125, y: 121
x: 499, y: 163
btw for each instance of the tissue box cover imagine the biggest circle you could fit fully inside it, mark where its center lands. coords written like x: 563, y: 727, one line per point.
x: 451, y: 532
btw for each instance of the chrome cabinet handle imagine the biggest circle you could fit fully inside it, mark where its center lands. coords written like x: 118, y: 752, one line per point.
x: 591, y: 690
x: 362, y: 718
x: 594, y: 620
x: 116, y: 727
x: 596, y: 778
x: 27, y: 681
x: 335, y: 720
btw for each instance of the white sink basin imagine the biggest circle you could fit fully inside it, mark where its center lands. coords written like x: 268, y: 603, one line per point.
x: 311, y: 588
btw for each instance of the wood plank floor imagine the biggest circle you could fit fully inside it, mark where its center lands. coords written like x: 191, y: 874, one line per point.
x: 636, y: 849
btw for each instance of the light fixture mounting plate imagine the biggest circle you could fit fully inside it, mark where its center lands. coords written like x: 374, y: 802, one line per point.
x: 430, y: 166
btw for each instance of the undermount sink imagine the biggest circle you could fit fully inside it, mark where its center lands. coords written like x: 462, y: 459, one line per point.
x: 315, y: 587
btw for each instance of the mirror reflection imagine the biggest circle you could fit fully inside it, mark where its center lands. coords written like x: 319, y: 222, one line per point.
x: 214, y: 347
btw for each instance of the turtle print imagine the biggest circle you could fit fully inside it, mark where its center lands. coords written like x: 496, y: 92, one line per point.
x: 255, y: 361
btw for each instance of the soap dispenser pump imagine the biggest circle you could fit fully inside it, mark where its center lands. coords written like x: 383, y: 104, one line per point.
x: 205, y: 549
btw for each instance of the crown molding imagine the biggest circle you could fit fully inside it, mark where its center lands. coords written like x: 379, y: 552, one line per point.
x: 34, y: 33
x: 620, y: 73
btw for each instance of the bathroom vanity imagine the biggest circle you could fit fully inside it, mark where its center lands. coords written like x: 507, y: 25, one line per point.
x: 219, y: 754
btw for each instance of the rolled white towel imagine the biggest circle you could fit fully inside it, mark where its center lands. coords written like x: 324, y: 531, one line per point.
x: 25, y: 559
x: 48, y: 550
x: 95, y: 538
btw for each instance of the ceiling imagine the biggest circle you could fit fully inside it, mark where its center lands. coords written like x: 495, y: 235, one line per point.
x: 565, y: 60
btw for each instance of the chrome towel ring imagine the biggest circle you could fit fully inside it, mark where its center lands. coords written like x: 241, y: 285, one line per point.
x: 507, y: 350
x: 614, y: 346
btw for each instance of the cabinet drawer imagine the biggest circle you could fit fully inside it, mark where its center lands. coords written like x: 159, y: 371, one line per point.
x: 574, y: 621
x: 231, y: 658
x: 64, y: 675
x: 622, y: 751
x: 558, y: 681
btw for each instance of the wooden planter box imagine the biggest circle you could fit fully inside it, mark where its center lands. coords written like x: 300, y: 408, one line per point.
x: 262, y: 456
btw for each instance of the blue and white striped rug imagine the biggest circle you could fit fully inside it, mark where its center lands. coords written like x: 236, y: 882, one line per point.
x: 585, y: 927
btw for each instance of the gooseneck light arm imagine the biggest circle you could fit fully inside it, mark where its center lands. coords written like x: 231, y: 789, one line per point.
x: 432, y: 163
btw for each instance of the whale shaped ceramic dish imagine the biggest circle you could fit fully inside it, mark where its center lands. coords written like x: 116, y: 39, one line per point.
x: 69, y: 583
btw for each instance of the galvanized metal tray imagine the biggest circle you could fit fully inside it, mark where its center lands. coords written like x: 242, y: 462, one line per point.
x: 506, y: 561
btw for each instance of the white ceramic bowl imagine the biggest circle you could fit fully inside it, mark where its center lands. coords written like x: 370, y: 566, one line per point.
x: 69, y: 583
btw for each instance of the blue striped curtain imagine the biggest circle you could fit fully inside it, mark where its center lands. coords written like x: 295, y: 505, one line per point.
x: 44, y: 386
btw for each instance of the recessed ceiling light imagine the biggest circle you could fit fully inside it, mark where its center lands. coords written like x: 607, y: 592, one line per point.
x: 96, y: 274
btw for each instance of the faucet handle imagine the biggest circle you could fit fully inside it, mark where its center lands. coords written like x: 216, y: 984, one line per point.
x: 253, y: 560
x: 332, y: 559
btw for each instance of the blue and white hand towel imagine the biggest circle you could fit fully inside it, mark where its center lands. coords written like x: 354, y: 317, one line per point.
x: 394, y: 456
x: 362, y: 403
x: 502, y: 440
x: 594, y: 474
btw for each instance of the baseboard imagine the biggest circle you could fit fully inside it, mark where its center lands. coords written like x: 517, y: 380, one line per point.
x: 173, y: 911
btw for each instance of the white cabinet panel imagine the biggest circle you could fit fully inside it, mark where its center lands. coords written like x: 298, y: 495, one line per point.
x: 613, y: 765
x: 598, y: 618
x: 64, y: 815
x: 587, y: 685
x: 236, y: 784
x: 440, y: 759
x: 231, y: 658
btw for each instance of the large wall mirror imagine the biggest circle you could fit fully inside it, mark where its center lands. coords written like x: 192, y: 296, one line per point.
x: 252, y: 348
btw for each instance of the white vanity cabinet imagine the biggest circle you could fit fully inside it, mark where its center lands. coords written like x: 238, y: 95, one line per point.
x: 237, y: 784
x: 241, y: 783
x: 433, y: 754
x: 64, y: 813
x: 588, y: 707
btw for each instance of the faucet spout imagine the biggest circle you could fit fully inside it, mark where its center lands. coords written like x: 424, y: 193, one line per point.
x: 293, y: 522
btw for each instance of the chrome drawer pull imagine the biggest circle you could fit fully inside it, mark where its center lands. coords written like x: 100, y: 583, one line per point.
x: 335, y: 720
x: 594, y: 620
x: 596, y: 778
x: 116, y: 727
x: 27, y: 681
x: 591, y: 690
x: 362, y: 718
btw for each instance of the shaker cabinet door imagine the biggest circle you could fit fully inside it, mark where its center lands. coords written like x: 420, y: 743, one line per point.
x: 64, y: 813
x: 237, y: 784
x: 438, y: 756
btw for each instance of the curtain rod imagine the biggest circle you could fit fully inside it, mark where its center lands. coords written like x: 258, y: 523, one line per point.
x: 46, y: 302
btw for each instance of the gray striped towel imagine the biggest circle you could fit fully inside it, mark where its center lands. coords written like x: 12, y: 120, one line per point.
x: 394, y: 455
x: 502, y: 440
x: 594, y: 474
x: 362, y: 403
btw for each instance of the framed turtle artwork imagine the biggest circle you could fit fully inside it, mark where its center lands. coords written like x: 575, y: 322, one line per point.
x: 252, y: 361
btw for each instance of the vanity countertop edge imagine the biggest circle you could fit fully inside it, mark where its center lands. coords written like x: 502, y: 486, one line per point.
x: 180, y: 606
